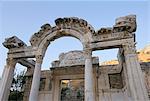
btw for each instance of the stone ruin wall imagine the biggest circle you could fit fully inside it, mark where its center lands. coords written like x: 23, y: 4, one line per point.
x: 113, y: 81
x: 110, y: 78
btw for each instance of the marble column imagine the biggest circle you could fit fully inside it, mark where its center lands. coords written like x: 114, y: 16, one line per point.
x: 7, y: 78
x: 136, y: 83
x: 36, y: 79
x: 89, y: 77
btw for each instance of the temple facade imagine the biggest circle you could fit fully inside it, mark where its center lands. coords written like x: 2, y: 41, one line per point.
x: 77, y: 75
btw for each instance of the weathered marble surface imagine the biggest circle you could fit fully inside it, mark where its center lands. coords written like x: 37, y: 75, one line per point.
x: 13, y: 42
x: 72, y: 58
x: 97, y: 86
x: 104, y: 82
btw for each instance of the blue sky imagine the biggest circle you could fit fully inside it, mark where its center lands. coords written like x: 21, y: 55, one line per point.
x: 24, y: 18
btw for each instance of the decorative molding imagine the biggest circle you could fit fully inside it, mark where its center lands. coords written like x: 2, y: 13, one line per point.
x: 37, y: 37
x: 74, y: 23
x: 104, y: 31
x: 123, y: 28
x: 125, y: 23
x: 63, y: 25
x: 13, y: 42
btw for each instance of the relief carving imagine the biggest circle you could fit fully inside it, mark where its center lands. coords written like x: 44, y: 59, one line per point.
x: 123, y: 28
x: 13, y: 42
x: 104, y: 31
x: 74, y: 23
x: 74, y: 58
x: 126, y: 23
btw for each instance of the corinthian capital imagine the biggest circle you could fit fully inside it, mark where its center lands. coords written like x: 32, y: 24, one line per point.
x: 11, y: 62
x: 88, y: 53
x: 129, y: 48
x: 39, y: 58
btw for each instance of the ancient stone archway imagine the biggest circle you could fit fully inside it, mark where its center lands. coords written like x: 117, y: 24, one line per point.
x: 74, y: 27
x: 121, y: 36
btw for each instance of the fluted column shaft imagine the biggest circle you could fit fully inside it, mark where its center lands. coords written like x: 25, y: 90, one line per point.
x: 7, y: 78
x: 36, y: 79
x: 135, y: 77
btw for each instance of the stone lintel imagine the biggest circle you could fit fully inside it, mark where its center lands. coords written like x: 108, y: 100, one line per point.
x: 108, y: 44
x: 110, y: 69
x: 26, y: 52
x: 112, y: 36
x: 22, y: 49
x: 74, y: 70
x: 27, y: 63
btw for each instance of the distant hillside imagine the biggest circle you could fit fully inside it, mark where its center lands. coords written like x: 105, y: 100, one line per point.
x: 143, y: 56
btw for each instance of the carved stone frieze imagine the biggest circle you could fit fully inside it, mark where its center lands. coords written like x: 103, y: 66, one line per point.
x: 13, y: 42
x: 112, y: 36
x: 70, y: 21
x: 123, y: 28
x: 104, y: 31
x: 126, y: 23
x: 73, y: 58
x: 74, y: 23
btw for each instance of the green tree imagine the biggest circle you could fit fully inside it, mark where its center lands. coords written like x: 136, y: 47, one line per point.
x: 16, y: 92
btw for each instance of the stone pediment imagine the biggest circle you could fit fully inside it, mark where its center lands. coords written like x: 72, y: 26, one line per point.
x: 72, y: 58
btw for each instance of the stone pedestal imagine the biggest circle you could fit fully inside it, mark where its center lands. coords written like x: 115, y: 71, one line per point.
x: 36, y: 79
x: 89, y: 77
x: 7, y: 78
x: 136, y: 83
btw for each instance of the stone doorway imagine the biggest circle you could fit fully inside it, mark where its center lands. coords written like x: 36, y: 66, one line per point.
x: 72, y: 90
